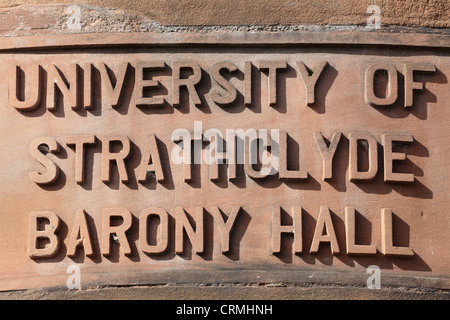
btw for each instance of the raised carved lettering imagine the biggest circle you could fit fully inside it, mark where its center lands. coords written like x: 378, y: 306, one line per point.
x: 113, y: 86
x: 390, y: 156
x: 162, y: 238
x: 324, y: 222
x: 295, y: 229
x: 118, y: 158
x: 284, y: 172
x: 310, y: 80
x: 410, y: 84
x: 194, y: 233
x: 188, y: 83
x: 371, y: 148
x: 387, y: 245
x: 150, y: 154
x: 222, y: 84
x: 350, y: 236
x: 66, y: 83
x: 327, y: 153
x: 115, y: 233
x: 225, y: 225
x: 141, y: 84
x: 248, y: 83
x: 39, y: 148
x: 273, y: 67
x: 36, y: 234
x: 28, y: 96
x: 80, y: 236
x: 80, y: 141
x: 88, y: 83
x: 392, y: 86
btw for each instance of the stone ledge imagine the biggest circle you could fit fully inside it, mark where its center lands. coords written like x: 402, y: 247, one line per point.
x: 224, y: 38
x: 272, y: 291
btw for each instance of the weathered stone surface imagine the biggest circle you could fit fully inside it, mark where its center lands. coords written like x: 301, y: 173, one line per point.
x: 83, y: 18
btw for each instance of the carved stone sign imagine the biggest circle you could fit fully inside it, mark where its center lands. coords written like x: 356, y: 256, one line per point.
x: 147, y: 159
